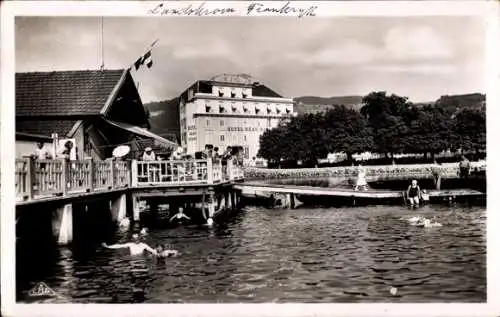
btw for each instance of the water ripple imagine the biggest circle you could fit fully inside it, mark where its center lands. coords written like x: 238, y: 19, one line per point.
x: 307, y: 255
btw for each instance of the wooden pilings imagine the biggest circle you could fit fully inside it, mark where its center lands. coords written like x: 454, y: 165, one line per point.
x: 62, y: 224
x: 119, y: 208
x: 285, y: 200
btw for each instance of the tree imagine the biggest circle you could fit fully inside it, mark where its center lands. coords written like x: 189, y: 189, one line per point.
x: 470, y: 129
x: 310, y: 137
x: 347, y: 131
x: 386, y: 116
x: 273, y: 144
x: 430, y: 130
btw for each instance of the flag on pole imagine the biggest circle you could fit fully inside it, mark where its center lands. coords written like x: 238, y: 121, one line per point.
x: 144, y: 59
x: 148, y: 60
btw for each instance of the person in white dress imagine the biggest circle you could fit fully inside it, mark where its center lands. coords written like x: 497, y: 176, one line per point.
x: 361, y: 179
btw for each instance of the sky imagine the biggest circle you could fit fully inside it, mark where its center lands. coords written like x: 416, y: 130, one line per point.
x: 418, y: 57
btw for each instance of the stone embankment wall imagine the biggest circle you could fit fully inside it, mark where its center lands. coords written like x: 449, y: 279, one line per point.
x: 373, y: 173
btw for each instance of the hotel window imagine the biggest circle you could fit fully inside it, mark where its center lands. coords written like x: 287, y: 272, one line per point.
x: 222, y: 123
x: 244, y: 95
x: 222, y: 109
x: 288, y: 110
x: 246, y: 151
x: 245, y: 108
x: 233, y: 93
x: 208, y: 123
x: 245, y: 138
x: 207, y: 108
x: 222, y: 138
x: 278, y: 110
x: 233, y: 107
x: 221, y: 92
x: 257, y: 109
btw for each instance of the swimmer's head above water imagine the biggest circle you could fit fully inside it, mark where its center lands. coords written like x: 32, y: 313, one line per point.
x: 136, y: 238
x: 414, y: 182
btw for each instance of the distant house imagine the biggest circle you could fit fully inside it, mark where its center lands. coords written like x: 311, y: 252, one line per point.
x: 99, y: 109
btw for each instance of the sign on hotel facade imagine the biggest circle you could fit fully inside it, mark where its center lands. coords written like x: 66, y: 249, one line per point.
x: 229, y: 110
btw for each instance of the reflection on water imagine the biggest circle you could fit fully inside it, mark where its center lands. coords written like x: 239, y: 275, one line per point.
x: 306, y: 255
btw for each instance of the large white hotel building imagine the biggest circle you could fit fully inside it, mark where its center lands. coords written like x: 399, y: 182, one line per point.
x: 229, y: 110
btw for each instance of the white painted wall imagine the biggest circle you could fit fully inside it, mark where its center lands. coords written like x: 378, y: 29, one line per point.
x: 238, y: 124
x: 26, y: 148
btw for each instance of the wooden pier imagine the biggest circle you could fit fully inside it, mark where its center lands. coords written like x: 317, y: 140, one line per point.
x: 68, y: 189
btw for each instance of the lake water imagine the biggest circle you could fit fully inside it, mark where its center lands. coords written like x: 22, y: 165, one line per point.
x: 277, y: 255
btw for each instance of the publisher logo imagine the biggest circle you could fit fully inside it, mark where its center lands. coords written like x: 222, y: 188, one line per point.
x: 42, y: 290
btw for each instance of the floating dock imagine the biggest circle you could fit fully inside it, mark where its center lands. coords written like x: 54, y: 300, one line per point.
x: 314, y: 194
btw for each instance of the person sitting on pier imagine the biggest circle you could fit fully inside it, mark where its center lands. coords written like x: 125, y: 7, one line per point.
x: 136, y: 247
x: 413, y: 193
x: 361, y: 179
x: 179, y: 215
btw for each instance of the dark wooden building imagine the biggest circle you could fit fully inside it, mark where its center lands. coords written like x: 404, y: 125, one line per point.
x: 100, y: 109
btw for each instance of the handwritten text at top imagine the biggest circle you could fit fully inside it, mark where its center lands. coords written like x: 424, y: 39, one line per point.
x: 252, y: 9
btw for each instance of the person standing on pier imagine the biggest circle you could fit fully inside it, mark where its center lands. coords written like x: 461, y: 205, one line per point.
x: 361, y: 179
x: 136, y: 247
x: 464, y: 167
x: 65, y: 152
x: 41, y: 153
x: 226, y: 155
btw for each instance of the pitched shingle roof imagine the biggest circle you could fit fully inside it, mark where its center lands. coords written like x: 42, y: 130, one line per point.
x: 45, y: 127
x: 64, y: 93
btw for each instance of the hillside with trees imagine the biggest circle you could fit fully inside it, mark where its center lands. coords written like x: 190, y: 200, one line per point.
x: 164, y: 118
x: 164, y: 115
x: 387, y: 124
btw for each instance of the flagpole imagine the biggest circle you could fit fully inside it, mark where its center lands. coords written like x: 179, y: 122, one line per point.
x: 102, y: 43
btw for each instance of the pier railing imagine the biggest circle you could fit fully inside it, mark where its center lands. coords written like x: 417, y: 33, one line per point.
x: 172, y: 172
x: 37, y: 179
x: 45, y: 178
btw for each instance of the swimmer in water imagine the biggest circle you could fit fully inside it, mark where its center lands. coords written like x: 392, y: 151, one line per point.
x: 163, y: 252
x: 428, y: 224
x: 178, y: 216
x: 136, y: 247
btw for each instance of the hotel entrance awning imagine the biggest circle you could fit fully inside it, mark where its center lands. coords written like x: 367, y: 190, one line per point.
x: 144, y: 133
